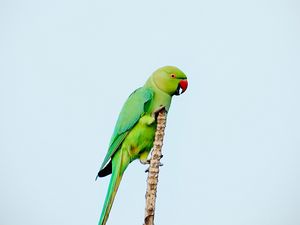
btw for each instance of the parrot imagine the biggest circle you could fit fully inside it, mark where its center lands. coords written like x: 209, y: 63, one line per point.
x: 135, y: 128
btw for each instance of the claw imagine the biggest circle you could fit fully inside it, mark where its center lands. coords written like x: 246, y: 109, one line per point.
x: 147, y: 170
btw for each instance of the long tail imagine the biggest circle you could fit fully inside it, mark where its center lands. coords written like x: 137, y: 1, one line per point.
x: 119, y: 164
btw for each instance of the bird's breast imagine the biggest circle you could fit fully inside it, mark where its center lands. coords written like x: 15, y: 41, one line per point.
x: 141, y: 137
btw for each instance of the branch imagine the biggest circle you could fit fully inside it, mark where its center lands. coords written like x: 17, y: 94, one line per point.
x: 152, y: 179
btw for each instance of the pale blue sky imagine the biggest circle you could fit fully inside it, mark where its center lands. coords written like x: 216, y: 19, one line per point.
x: 231, y: 152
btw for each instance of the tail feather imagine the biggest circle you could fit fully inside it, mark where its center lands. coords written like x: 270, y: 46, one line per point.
x: 118, y: 166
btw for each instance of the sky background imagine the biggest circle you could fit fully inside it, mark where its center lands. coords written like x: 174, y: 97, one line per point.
x: 232, y: 145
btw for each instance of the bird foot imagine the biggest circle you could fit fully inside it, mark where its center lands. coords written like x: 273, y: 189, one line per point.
x: 147, y: 170
x: 145, y: 162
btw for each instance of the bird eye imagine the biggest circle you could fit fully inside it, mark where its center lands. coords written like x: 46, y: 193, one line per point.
x: 173, y: 75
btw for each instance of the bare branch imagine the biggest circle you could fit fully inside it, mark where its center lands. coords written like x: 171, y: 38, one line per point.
x: 152, y: 179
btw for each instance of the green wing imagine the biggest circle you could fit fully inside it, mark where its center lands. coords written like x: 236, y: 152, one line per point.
x: 133, y: 109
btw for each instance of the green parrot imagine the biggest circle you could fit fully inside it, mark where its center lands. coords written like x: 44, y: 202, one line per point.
x: 134, y: 131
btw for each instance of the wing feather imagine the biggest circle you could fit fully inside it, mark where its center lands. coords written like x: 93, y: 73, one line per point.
x: 133, y: 109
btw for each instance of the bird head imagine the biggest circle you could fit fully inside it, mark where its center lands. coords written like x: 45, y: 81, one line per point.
x: 170, y: 80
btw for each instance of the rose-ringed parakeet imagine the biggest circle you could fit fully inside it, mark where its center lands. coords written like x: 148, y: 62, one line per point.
x: 134, y: 131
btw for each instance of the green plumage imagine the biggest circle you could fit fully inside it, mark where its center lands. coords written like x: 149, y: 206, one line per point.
x: 134, y: 131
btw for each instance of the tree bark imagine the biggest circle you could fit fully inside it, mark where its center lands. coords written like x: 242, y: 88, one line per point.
x: 153, y: 172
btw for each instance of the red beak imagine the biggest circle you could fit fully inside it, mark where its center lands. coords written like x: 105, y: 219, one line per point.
x: 183, y: 85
